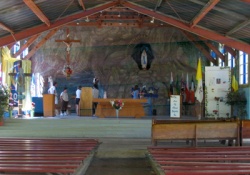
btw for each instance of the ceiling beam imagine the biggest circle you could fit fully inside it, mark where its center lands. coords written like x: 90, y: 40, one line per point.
x: 117, y: 18
x: 26, y: 45
x: 246, y: 1
x: 11, y: 45
x: 137, y: 24
x: 37, y: 11
x: 42, y: 28
x: 231, y: 51
x: 208, y: 34
x: 216, y: 51
x: 238, y: 27
x: 4, y: 27
x: 81, y: 4
x: 222, y: 10
x: 192, y: 39
x: 203, y: 12
x: 40, y: 44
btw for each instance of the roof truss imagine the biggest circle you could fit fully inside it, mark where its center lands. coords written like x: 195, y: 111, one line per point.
x: 139, y: 21
x: 37, y: 11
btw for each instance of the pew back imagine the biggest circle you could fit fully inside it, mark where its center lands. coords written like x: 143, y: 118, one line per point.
x: 194, y: 130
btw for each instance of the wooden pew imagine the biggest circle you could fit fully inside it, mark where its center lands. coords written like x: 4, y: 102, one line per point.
x: 194, y: 130
x: 244, y: 130
x: 202, y: 160
x: 26, y: 155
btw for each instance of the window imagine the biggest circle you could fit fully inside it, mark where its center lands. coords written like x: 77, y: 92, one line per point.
x: 16, y: 48
x: 230, y: 60
x: 222, y: 50
x: 243, y: 68
x: 212, y: 53
x: 25, y: 52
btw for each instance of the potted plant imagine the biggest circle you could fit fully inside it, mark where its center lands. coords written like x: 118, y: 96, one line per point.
x: 238, y: 101
x: 4, y: 103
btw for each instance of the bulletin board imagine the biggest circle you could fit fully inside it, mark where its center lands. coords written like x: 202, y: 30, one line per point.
x: 218, y: 84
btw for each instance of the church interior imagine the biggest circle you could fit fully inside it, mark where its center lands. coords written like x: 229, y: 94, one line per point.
x: 155, y: 78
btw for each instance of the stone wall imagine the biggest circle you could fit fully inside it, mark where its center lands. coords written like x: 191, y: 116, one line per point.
x: 106, y: 54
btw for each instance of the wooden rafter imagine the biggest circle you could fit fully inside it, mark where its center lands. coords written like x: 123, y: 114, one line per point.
x: 82, y: 4
x: 222, y: 10
x: 212, y: 47
x: 203, y: 12
x: 247, y: 1
x: 238, y: 27
x: 208, y: 34
x: 40, y: 44
x: 231, y: 51
x: 11, y: 45
x: 26, y: 45
x: 201, y: 48
x: 37, y: 11
x: 216, y: 51
x: 100, y: 23
x: 116, y: 18
x: 42, y: 28
x: 4, y: 27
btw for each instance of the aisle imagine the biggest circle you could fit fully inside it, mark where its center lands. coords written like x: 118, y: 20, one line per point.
x: 120, y: 166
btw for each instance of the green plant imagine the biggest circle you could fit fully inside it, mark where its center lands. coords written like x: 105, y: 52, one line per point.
x: 4, y: 97
x: 238, y: 101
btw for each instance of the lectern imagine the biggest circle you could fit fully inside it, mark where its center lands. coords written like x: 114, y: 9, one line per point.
x: 86, y: 101
x: 48, y: 105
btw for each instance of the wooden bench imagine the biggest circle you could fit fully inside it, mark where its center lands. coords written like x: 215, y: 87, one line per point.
x: 244, y: 130
x: 65, y: 156
x: 202, y: 160
x: 194, y: 130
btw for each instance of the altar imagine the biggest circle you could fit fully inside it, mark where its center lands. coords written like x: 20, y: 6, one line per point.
x: 131, y: 108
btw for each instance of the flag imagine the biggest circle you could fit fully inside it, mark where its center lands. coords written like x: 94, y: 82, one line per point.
x: 177, y: 87
x: 187, y: 90
x: 191, y: 92
x: 182, y: 82
x: 199, y: 89
x: 192, y: 84
x: 234, y: 83
x: 171, y: 85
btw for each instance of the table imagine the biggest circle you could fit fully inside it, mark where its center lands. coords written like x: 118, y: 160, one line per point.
x: 131, y: 108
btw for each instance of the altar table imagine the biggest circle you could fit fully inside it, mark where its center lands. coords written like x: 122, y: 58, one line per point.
x: 131, y: 108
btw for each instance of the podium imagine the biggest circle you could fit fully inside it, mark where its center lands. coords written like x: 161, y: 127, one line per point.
x: 48, y: 105
x: 86, y: 102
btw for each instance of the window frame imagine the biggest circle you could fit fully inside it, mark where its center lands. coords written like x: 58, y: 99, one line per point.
x: 245, y: 62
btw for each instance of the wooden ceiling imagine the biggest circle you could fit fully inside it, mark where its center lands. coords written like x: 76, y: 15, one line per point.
x: 223, y: 21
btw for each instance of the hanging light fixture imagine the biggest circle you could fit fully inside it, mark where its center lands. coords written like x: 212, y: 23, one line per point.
x: 87, y: 19
x: 152, y: 20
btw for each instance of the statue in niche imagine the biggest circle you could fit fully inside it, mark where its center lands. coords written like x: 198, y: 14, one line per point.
x: 143, y: 56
